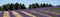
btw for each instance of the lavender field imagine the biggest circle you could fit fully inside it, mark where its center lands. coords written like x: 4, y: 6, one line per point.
x: 38, y: 12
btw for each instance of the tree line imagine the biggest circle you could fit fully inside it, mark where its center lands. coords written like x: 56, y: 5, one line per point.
x: 22, y: 6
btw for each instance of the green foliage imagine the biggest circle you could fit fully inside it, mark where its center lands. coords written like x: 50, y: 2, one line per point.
x: 36, y: 5
x: 22, y: 6
x: 4, y: 7
x: 16, y: 5
x: 0, y: 8
x: 45, y: 5
x: 10, y: 6
x: 50, y: 5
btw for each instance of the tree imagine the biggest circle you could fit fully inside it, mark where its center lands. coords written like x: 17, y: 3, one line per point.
x: 7, y: 6
x: 41, y: 5
x: 45, y: 5
x: 30, y: 6
x: 0, y: 8
x: 11, y: 6
x: 19, y: 6
x: 16, y: 5
x: 22, y: 6
x: 36, y: 5
x: 4, y: 7
x: 50, y: 5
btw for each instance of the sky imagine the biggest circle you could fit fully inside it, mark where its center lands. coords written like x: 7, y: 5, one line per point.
x: 27, y: 2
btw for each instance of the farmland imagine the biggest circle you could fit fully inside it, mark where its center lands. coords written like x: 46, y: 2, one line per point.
x: 38, y: 12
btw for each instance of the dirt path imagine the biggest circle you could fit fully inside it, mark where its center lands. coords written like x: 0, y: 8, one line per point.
x: 28, y: 14
x: 6, y: 14
x: 17, y: 14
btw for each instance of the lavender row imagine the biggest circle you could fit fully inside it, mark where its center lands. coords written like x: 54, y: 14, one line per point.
x: 52, y: 14
x: 1, y: 14
x: 25, y: 15
x: 10, y: 13
x: 36, y: 14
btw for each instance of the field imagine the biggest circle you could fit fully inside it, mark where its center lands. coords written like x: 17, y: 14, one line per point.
x: 38, y: 12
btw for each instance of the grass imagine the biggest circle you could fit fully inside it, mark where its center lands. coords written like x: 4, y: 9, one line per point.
x: 56, y: 8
